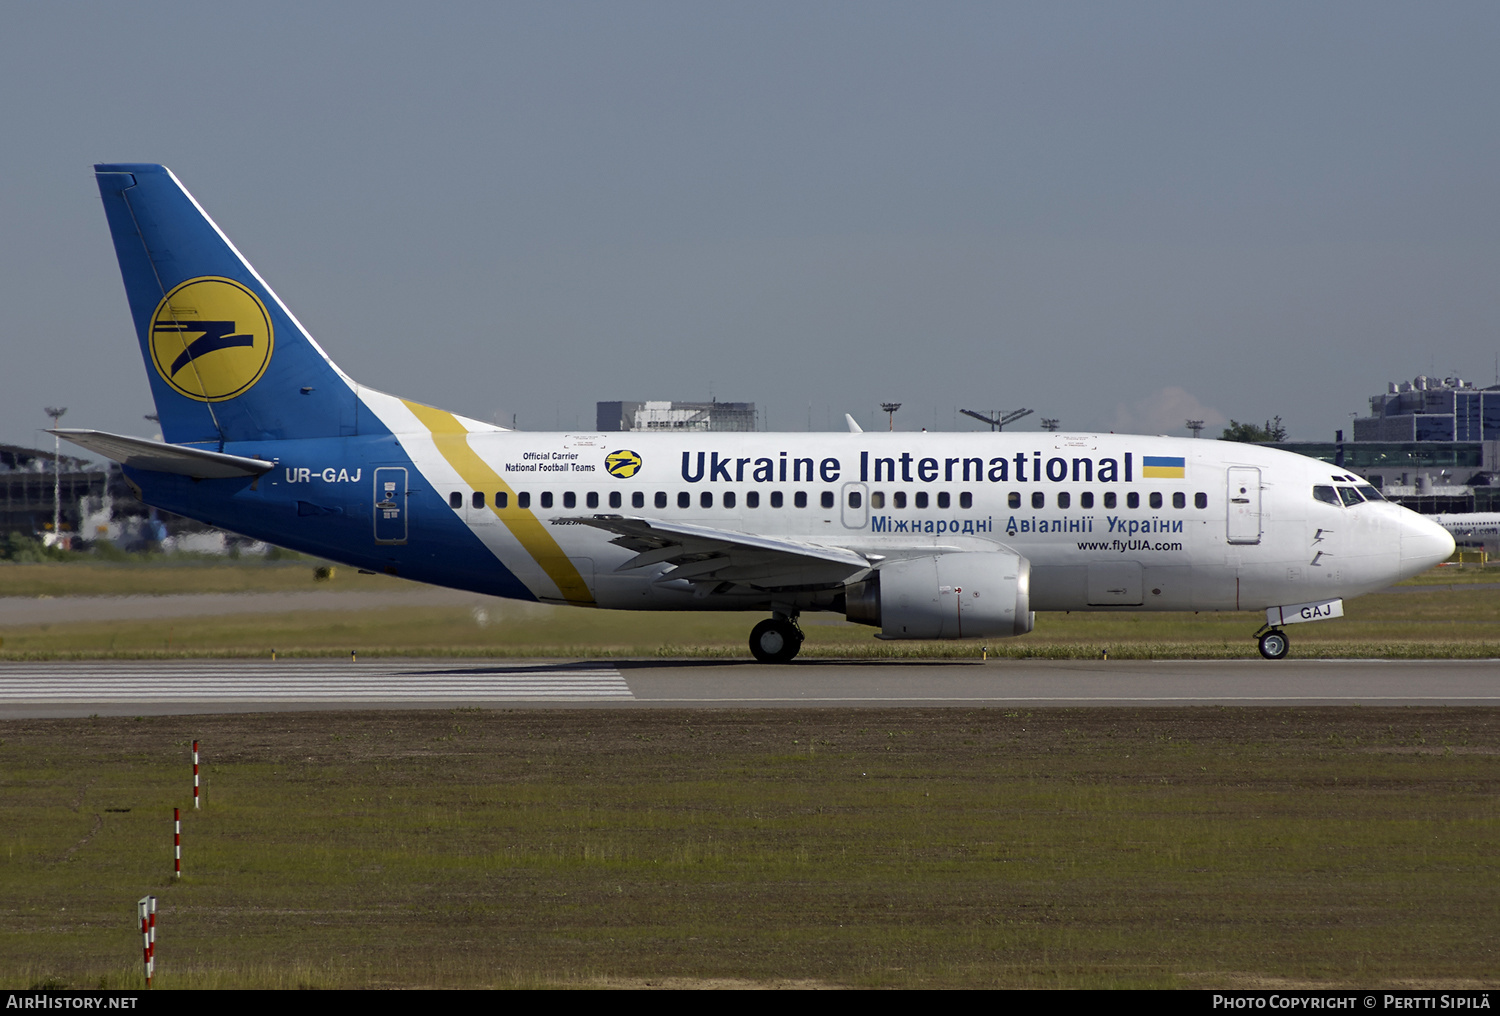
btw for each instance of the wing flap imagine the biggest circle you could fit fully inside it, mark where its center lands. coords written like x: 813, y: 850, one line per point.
x: 702, y: 554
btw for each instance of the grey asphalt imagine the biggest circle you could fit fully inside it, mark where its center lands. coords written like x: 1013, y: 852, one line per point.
x: 233, y: 686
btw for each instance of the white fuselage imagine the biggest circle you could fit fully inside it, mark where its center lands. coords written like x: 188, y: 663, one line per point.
x: 1232, y: 526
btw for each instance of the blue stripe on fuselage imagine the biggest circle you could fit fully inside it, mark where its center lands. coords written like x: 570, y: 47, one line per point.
x: 329, y: 513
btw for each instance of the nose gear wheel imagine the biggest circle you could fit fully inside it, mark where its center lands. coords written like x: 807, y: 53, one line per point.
x: 1274, y: 644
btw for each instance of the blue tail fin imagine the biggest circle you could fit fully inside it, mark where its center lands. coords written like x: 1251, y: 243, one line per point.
x: 227, y: 361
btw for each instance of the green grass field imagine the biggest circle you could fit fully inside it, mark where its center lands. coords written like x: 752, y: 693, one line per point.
x: 1201, y: 848
x: 1447, y: 613
x: 162, y: 575
x: 1235, y: 848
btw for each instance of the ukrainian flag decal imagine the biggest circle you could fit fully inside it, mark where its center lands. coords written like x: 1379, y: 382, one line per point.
x: 1162, y: 467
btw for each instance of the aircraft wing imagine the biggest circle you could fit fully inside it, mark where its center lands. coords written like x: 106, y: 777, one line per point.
x: 139, y: 453
x: 700, y: 554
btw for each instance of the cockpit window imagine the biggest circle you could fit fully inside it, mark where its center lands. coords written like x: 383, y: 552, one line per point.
x: 1350, y: 495
x: 1326, y: 495
x: 1370, y: 493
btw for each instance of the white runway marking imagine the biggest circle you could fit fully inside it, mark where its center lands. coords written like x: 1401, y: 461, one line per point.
x: 302, y: 681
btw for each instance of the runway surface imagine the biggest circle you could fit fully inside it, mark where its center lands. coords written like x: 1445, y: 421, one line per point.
x: 110, y: 687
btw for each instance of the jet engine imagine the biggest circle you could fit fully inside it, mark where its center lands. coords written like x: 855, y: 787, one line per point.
x: 946, y: 596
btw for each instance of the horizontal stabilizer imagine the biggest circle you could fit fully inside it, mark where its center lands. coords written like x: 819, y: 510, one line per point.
x: 160, y: 457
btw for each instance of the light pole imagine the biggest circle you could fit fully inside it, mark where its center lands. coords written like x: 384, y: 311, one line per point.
x: 890, y: 408
x: 56, y: 414
x: 1196, y: 426
x: 1000, y: 419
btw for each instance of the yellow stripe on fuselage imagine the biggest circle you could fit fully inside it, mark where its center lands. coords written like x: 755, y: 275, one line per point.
x: 452, y: 442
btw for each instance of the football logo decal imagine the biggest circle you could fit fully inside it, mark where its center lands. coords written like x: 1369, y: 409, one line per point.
x: 623, y: 464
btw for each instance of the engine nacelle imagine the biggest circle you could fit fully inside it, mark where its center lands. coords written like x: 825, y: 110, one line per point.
x: 947, y: 596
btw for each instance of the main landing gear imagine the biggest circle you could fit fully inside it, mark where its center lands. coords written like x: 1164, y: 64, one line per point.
x: 776, y: 639
x: 1273, y: 643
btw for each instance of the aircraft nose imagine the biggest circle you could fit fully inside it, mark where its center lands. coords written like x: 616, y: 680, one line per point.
x: 1424, y: 544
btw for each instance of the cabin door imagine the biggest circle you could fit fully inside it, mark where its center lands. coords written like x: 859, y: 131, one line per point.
x: 1244, y: 504
x: 856, y: 507
x: 390, y: 504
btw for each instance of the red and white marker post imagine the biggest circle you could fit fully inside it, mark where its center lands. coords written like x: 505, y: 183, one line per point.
x: 177, y: 842
x: 195, y: 775
x: 146, y: 911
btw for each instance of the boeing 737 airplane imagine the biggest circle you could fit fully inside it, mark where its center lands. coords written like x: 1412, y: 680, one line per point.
x: 923, y: 536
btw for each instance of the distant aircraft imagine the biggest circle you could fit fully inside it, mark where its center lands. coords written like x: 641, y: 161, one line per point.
x: 1472, y: 527
x: 924, y: 536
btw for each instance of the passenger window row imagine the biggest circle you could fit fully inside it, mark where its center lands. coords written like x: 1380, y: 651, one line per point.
x: 523, y: 499
x: 918, y: 500
x: 898, y: 499
x: 1110, y: 499
x: 1064, y: 499
x: 638, y: 499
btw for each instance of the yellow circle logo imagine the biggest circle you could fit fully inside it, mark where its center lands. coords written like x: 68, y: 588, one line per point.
x: 211, y: 339
x: 622, y: 464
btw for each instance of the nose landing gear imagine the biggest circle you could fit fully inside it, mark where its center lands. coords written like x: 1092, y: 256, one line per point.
x: 776, y: 639
x: 1273, y: 643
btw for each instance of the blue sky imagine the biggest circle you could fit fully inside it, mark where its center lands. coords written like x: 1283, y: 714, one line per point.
x: 1117, y: 214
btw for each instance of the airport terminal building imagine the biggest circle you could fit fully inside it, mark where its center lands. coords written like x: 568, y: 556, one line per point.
x: 96, y: 503
x: 675, y: 416
x: 29, y: 479
x: 1432, y: 444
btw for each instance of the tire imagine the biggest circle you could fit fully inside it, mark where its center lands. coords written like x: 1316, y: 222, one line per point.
x: 1274, y: 645
x: 775, y: 641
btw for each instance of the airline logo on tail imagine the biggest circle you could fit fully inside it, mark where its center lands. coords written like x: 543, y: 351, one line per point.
x: 211, y: 339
